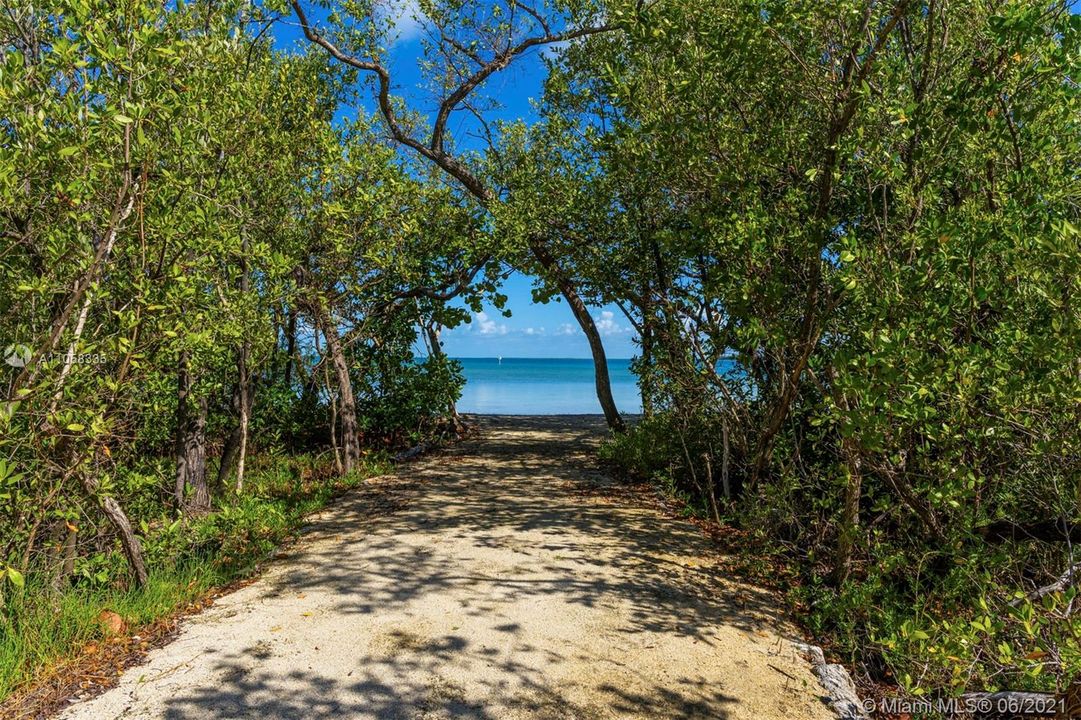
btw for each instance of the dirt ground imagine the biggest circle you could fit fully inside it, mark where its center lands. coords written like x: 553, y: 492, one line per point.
x: 498, y: 586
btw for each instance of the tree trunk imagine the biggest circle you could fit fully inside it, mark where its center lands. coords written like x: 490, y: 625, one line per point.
x: 436, y: 349
x: 850, y: 514
x: 290, y: 346
x: 230, y: 449
x: 347, y: 409
x: 333, y: 425
x: 645, y: 379
x: 133, y: 551
x: 585, y: 321
x: 190, y: 444
x: 69, y: 357
x: 245, y: 406
x: 183, y: 389
x: 235, y: 448
x: 808, y: 342
x: 725, y: 460
x: 243, y: 379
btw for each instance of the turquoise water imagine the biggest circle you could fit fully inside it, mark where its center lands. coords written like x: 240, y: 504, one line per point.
x: 534, y: 386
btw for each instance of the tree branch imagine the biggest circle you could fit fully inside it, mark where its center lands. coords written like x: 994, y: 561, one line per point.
x: 435, y: 149
x: 1064, y: 581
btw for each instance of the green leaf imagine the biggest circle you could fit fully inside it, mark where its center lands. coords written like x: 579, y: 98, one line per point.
x: 16, y: 577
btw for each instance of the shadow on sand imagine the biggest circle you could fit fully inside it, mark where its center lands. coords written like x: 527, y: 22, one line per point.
x: 497, y: 494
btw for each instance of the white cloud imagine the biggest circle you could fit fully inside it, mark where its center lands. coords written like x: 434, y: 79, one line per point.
x: 487, y: 326
x: 607, y: 325
x: 567, y: 329
x: 405, y: 17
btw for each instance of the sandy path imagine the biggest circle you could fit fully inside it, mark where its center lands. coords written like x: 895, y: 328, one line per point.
x: 482, y: 583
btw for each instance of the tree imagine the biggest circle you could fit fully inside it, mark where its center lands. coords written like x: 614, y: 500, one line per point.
x: 845, y: 284
x: 126, y: 194
x: 475, y: 43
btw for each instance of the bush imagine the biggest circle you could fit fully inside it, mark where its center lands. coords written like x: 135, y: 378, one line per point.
x: 41, y: 625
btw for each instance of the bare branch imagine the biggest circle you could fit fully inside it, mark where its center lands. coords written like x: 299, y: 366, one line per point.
x: 435, y: 149
x: 534, y: 14
x: 501, y: 61
x: 1064, y: 581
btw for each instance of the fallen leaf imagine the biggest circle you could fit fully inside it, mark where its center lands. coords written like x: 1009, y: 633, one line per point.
x: 111, y: 623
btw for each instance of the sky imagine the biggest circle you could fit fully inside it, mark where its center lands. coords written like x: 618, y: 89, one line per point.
x: 537, y: 331
x: 532, y: 330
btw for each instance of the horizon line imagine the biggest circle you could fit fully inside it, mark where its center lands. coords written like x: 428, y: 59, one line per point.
x: 521, y: 357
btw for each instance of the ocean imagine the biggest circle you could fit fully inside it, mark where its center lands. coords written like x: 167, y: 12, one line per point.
x: 542, y: 386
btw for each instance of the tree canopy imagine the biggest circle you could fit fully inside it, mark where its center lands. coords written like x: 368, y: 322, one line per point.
x: 846, y: 235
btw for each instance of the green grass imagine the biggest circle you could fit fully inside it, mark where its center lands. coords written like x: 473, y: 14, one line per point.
x: 43, y: 628
x: 40, y: 628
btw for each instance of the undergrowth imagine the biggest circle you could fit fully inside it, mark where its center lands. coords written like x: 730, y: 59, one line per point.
x: 42, y: 626
x: 912, y: 617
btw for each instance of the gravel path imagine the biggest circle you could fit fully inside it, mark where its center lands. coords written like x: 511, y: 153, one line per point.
x: 489, y: 581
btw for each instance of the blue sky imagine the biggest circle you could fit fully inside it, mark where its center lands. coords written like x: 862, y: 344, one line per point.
x: 532, y: 330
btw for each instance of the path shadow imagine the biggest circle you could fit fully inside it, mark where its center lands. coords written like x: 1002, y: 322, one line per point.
x: 525, y: 486
x: 500, y: 488
x: 421, y: 688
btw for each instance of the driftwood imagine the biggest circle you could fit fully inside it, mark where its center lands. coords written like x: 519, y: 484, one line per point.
x: 840, y: 690
x: 459, y: 429
x: 412, y: 452
x: 1064, y: 581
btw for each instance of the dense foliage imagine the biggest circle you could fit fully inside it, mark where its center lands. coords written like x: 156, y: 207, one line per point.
x: 847, y: 235
x: 204, y: 266
x: 852, y: 256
